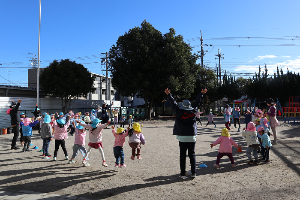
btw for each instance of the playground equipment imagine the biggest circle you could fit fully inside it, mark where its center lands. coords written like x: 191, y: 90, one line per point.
x: 292, y: 112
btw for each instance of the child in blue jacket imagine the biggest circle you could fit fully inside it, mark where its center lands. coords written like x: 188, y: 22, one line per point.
x: 27, y: 132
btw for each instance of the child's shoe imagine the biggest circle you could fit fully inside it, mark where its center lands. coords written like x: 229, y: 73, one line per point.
x: 54, y: 158
x: 121, y: 166
x: 139, y: 158
x: 85, y: 163
x: 216, y: 166
x: 267, y: 161
x: 233, y: 165
x: 104, y: 164
x: 46, y: 158
x: 251, y: 162
x: 72, y: 161
x: 67, y: 158
x: 132, y: 157
x: 256, y: 162
x: 117, y: 165
x: 193, y: 175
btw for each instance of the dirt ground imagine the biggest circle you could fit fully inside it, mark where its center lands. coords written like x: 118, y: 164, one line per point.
x: 156, y: 176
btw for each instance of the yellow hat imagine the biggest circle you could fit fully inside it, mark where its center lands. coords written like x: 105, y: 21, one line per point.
x: 136, y: 127
x: 225, y: 132
x: 120, y: 130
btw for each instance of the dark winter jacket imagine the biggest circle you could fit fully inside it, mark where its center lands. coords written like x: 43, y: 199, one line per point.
x: 185, y: 122
x: 14, y: 115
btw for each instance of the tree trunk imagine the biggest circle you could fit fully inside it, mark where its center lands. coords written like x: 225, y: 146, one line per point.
x: 150, y: 107
x: 146, y: 108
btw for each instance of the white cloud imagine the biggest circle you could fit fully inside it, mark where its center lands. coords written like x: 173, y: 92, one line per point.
x: 264, y: 57
x: 285, y: 56
x: 292, y: 65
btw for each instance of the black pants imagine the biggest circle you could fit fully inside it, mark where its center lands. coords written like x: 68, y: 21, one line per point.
x: 122, y: 124
x: 63, y: 146
x: 236, y: 120
x: 211, y: 122
x: 190, y: 146
x: 27, y: 141
x: 15, y: 130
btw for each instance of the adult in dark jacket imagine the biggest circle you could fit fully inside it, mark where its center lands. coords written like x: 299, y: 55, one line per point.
x: 185, y: 128
x: 15, y: 122
x: 105, y: 110
x: 37, y: 113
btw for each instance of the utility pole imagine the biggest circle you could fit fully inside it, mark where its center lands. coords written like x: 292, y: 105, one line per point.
x: 217, y: 73
x: 202, y: 52
x: 38, y: 69
x: 219, y: 55
x: 106, y: 61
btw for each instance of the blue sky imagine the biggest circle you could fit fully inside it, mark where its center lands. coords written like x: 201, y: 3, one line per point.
x: 249, y: 33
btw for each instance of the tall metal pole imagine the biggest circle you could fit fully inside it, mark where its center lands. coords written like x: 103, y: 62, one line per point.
x: 202, y: 52
x: 38, y: 69
x: 107, y: 76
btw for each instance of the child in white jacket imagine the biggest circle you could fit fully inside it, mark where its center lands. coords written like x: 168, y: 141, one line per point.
x: 252, y: 142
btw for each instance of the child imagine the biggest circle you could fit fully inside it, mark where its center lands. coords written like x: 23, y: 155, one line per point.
x: 60, y: 134
x: 236, y: 117
x: 118, y: 146
x: 46, y: 134
x: 122, y: 121
x: 252, y: 142
x: 273, y: 120
x: 225, y: 147
x: 266, y: 144
x: 27, y: 132
x: 210, y: 119
x: 248, y: 117
x: 79, y: 143
x: 130, y: 121
x: 115, y: 114
x: 135, y: 139
x: 227, y: 119
x: 198, y: 116
x: 95, y: 137
x: 87, y: 118
x: 22, y: 117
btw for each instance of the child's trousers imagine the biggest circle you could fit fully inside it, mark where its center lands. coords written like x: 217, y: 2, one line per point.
x: 137, y: 147
x: 46, y: 143
x: 119, y: 153
x: 89, y: 149
x: 61, y: 143
x: 249, y: 151
x: 220, y: 155
x: 77, y: 148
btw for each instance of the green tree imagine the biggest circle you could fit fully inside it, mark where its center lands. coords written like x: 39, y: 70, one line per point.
x: 66, y: 79
x: 144, y: 62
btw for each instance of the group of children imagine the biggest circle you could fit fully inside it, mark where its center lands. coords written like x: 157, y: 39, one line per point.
x: 257, y: 135
x: 56, y: 127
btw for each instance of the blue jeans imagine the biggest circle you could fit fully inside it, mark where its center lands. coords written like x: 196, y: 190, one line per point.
x: 119, y: 153
x: 46, y: 143
x: 265, y: 153
x: 77, y: 148
x: 190, y: 146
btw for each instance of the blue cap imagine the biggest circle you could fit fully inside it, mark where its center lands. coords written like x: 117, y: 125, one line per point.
x: 61, y: 113
x: 79, y: 126
x: 22, y: 113
x: 61, y: 121
x: 47, y: 119
x: 95, y: 122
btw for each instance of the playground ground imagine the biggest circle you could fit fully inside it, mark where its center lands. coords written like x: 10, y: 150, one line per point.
x: 25, y: 175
